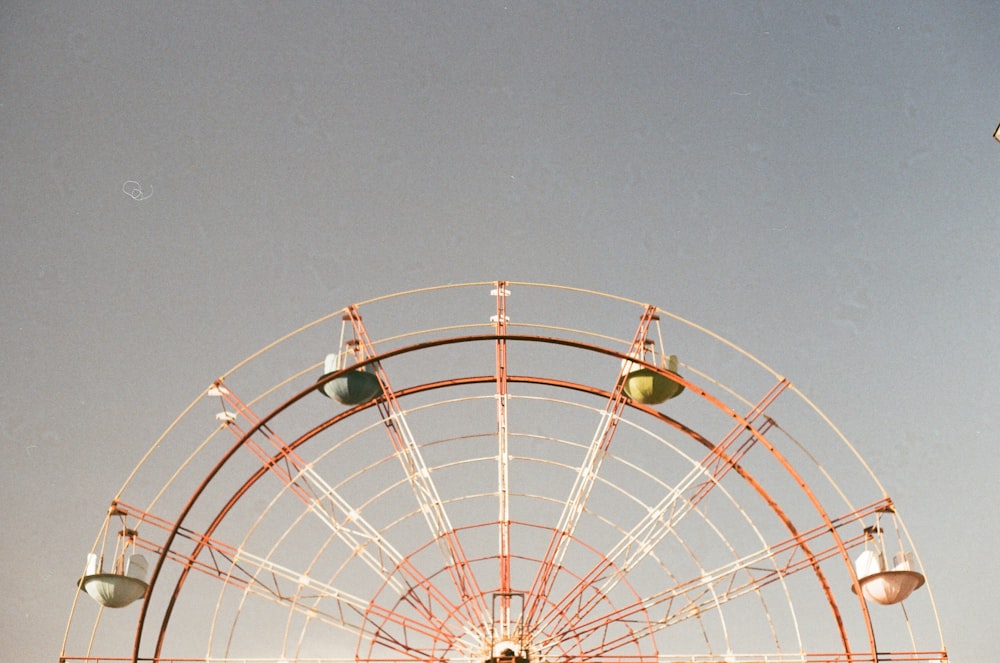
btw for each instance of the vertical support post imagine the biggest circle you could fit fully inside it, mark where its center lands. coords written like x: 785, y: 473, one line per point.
x: 503, y: 457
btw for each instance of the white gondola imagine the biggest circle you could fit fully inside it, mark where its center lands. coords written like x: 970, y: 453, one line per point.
x: 126, y: 582
x: 879, y: 583
x: 117, y: 590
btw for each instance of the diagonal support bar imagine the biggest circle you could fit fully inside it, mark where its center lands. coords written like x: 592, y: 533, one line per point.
x: 340, y: 516
x: 271, y: 581
x: 655, y: 525
x: 471, y: 601
x: 692, y: 598
x: 586, y: 477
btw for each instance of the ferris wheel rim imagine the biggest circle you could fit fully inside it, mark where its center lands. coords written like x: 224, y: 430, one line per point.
x: 477, y: 379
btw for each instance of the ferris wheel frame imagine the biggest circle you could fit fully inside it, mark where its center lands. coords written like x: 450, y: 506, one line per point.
x: 451, y: 613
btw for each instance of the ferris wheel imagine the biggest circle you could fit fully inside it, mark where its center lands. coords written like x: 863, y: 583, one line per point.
x: 502, y: 472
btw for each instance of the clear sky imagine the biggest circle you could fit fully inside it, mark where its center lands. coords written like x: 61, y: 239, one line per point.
x: 185, y: 182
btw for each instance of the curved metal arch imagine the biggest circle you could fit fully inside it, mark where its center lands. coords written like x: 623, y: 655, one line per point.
x: 485, y: 379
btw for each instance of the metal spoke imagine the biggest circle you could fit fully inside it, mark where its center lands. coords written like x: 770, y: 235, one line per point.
x: 503, y: 459
x: 323, y: 500
x: 266, y: 579
x: 712, y: 588
x: 471, y: 601
x: 585, y: 478
x: 661, y: 519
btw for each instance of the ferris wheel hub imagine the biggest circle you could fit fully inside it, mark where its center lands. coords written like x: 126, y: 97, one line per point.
x: 508, y: 651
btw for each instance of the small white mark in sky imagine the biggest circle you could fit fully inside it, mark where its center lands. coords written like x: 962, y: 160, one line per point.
x: 133, y: 190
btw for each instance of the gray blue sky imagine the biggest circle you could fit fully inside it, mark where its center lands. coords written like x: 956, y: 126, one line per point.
x: 816, y: 181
